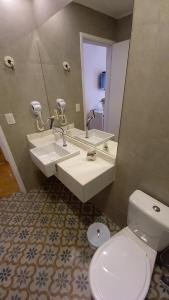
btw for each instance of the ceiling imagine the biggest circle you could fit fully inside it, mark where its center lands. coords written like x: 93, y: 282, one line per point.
x: 113, y: 8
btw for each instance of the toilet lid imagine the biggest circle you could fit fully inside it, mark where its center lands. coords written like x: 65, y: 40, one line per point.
x: 120, y: 270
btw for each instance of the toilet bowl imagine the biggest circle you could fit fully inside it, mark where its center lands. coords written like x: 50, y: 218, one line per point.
x: 121, y: 268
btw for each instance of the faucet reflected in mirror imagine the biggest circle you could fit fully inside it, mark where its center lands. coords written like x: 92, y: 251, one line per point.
x: 90, y: 117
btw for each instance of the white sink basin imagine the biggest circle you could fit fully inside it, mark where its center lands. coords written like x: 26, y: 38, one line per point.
x: 47, y: 156
x: 96, y: 137
x: 41, y: 138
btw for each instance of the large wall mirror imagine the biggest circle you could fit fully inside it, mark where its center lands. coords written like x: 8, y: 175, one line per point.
x: 93, y: 37
x: 104, y: 66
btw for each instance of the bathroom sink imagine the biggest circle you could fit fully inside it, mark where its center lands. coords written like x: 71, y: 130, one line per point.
x: 96, y: 137
x: 47, y: 156
x: 41, y: 138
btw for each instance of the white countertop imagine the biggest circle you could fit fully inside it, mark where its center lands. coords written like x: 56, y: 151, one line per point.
x: 85, y: 171
x: 85, y: 178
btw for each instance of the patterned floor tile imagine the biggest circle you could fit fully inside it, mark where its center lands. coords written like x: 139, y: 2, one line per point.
x: 58, y: 221
x: 72, y: 221
x: 69, y: 237
x: 83, y: 257
x: 66, y: 257
x: 15, y: 253
x: 42, y: 278
x: 19, y: 295
x: 48, y: 256
x: 62, y: 282
x: 44, y: 252
x: 31, y: 254
x: 7, y: 273
x: 23, y: 276
x: 4, y: 246
x: 81, y: 284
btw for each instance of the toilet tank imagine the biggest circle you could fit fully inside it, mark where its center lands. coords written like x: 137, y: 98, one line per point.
x: 149, y: 220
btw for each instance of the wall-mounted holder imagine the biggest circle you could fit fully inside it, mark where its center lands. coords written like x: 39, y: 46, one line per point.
x: 60, y: 112
x: 66, y: 66
x: 9, y: 62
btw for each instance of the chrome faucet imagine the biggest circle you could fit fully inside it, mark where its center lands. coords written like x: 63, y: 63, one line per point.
x: 88, y: 122
x: 55, y: 130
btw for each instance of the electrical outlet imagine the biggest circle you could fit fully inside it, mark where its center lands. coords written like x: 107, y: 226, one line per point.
x: 77, y: 107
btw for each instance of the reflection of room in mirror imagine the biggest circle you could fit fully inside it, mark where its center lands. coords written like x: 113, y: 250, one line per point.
x: 104, y: 64
x: 94, y: 58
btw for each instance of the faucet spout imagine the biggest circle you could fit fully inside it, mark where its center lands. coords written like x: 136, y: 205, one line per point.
x: 64, y: 139
x: 55, y: 130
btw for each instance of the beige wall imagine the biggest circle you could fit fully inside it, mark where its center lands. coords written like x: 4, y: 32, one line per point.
x: 123, y: 28
x: 43, y: 10
x: 58, y: 41
x: 143, y: 153
x: 19, y: 87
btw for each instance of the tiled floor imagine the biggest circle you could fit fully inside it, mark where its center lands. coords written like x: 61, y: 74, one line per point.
x: 44, y: 253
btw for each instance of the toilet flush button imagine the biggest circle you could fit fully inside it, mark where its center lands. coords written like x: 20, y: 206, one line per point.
x: 156, y: 208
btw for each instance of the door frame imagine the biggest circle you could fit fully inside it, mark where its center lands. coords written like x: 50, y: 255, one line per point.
x: 109, y: 45
x: 9, y: 157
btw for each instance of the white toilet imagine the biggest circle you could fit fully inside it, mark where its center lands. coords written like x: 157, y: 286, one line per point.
x: 121, y: 268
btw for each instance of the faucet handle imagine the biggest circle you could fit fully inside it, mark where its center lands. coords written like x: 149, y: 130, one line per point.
x: 93, y: 113
x: 91, y: 155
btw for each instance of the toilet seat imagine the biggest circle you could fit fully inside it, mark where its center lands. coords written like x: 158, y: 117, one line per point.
x: 120, y: 270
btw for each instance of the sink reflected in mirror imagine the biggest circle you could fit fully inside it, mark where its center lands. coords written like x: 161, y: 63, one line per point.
x: 103, y: 141
x: 95, y: 137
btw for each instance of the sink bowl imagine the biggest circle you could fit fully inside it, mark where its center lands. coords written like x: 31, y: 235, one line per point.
x: 46, y: 157
x: 41, y: 138
x: 96, y: 137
